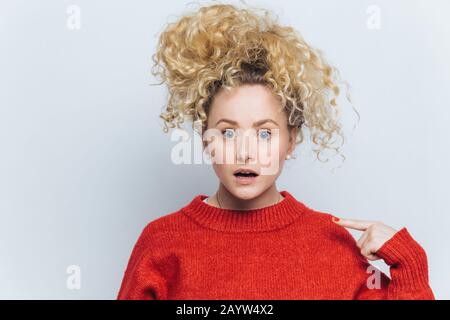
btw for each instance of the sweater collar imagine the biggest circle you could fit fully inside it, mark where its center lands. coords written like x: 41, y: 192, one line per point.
x: 262, y: 219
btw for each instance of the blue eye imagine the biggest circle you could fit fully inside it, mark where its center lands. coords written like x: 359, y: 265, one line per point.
x: 229, y: 133
x: 264, y: 134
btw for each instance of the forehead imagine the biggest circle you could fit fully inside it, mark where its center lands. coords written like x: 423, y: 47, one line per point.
x: 245, y: 104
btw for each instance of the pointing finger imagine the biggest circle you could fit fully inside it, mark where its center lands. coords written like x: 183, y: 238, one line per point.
x: 361, y: 225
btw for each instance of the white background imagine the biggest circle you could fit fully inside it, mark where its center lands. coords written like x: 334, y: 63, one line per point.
x: 85, y: 165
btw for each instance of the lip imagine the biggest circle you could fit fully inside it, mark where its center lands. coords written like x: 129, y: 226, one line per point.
x: 243, y: 169
x: 245, y: 180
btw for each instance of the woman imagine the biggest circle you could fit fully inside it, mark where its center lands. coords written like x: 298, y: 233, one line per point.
x: 238, y: 75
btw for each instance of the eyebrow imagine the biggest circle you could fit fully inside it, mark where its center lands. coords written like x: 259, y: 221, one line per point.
x: 255, y: 124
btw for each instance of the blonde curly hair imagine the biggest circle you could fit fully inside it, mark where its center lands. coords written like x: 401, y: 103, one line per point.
x: 222, y: 46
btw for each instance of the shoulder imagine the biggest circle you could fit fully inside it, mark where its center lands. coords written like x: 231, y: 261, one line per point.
x: 165, y: 227
x: 323, y: 221
x: 340, y: 246
x: 334, y: 235
x: 168, y: 228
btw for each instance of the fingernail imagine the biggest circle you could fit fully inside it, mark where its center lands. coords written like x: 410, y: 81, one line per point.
x: 336, y: 219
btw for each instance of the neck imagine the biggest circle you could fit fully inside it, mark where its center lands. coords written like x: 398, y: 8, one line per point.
x: 226, y: 200
x: 266, y: 218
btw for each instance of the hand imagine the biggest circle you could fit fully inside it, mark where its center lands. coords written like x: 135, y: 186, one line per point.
x: 374, y: 236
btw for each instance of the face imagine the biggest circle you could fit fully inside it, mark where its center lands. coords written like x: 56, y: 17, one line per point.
x: 247, y: 129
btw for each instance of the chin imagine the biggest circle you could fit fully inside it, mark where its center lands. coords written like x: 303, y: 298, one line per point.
x: 246, y: 192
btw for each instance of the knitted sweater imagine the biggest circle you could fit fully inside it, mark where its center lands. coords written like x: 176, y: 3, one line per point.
x: 283, y: 251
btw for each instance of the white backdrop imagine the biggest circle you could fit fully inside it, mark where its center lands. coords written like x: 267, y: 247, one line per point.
x: 84, y: 163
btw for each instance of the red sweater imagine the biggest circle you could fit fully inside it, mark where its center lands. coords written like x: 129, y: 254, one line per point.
x: 283, y: 251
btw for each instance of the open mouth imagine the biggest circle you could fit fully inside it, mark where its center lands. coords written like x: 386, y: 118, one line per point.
x: 245, y: 174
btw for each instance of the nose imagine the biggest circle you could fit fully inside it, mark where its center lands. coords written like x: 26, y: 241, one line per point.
x: 246, y: 147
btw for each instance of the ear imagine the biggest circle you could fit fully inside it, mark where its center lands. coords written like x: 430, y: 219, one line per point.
x: 201, y: 134
x: 293, y: 132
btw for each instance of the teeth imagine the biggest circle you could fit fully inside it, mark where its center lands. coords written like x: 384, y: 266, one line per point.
x: 245, y: 172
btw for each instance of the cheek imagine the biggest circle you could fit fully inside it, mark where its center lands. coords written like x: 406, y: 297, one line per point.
x: 283, y: 143
x: 277, y: 146
x: 223, y: 152
x: 219, y: 170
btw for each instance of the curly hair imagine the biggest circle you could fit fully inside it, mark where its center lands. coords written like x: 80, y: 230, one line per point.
x: 222, y: 46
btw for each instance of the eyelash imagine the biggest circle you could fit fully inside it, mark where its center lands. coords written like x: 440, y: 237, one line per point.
x: 267, y: 130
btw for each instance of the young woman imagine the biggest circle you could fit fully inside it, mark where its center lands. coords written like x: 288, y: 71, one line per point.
x: 238, y: 75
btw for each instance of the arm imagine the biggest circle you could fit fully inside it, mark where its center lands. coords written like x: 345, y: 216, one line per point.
x: 142, y: 280
x: 408, y: 268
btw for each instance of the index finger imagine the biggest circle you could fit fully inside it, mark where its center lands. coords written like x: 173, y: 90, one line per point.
x: 361, y: 225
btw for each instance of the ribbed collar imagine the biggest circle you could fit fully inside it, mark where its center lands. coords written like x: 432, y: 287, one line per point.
x: 263, y: 219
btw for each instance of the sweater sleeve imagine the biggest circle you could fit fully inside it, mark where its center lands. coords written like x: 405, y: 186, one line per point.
x: 142, y: 279
x: 408, y: 267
